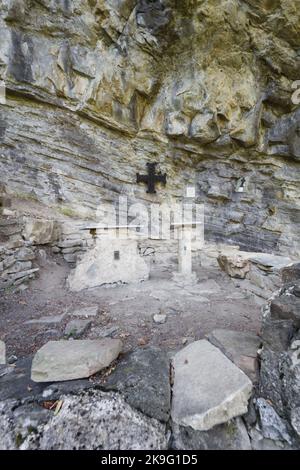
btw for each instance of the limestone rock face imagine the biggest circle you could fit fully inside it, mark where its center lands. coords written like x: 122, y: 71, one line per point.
x: 96, y: 89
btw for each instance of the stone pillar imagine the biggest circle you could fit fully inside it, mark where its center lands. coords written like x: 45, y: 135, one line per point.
x: 185, y: 274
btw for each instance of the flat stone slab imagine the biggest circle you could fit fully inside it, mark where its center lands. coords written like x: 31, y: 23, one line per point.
x: 86, y: 312
x: 75, y: 359
x: 49, y: 320
x: 2, y: 353
x: 238, y: 263
x: 240, y: 347
x: 208, y: 388
x: 143, y: 379
x: 76, y: 328
x: 266, y: 261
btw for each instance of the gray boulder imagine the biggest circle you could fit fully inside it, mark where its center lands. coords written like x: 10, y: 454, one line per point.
x: 229, y: 436
x: 143, y: 379
x: 89, y: 421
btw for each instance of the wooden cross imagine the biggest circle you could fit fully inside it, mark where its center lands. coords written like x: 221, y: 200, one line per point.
x: 151, y: 179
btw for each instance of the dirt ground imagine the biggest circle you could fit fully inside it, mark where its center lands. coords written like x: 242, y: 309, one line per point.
x: 191, y: 313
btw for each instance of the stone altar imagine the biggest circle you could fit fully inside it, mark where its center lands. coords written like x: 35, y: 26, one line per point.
x: 114, y: 259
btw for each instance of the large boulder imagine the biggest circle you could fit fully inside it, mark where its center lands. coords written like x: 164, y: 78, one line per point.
x: 90, y: 420
x: 74, y: 359
x: 208, y: 388
x: 234, y: 264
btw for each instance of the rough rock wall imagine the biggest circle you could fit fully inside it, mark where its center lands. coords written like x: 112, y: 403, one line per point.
x: 97, y: 88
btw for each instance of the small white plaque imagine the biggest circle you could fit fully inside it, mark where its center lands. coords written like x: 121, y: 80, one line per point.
x: 190, y: 191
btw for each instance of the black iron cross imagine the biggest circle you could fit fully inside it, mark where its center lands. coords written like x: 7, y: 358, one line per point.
x: 151, y: 179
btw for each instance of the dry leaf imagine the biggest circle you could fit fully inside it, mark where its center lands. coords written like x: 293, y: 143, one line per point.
x: 59, y: 404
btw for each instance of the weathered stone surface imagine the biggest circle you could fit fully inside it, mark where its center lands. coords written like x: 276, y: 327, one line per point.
x: 2, y: 353
x: 229, y: 436
x: 86, y: 312
x: 296, y: 289
x: 290, y: 376
x: 291, y: 273
x: 88, y: 421
x: 273, y: 427
x: 73, y: 359
x: 76, y: 328
x: 208, y: 388
x: 15, y: 381
x: 295, y: 420
x: 234, y: 265
x: 50, y: 319
x: 286, y: 308
x: 261, y: 272
x: 280, y: 372
x: 143, y: 379
x: 270, y: 262
x: 18, y: 423
x: 277, y: 334
x: 270, y: 386
x: 160, y: 318
x: 240, y: 347
x: 40, y: 232
x: 25, y: 254
x: 103, y: 332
